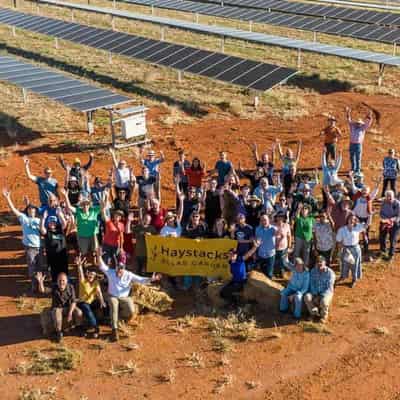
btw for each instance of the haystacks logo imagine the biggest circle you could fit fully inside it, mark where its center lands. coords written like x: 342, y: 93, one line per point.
x: 182, y: 253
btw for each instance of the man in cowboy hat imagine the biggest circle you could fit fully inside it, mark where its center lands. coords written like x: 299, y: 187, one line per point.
x: 331, y: 135
x: 358, y: 128
x: 253, y: 210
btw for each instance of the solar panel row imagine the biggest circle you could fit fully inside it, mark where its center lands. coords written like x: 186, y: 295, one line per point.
x: 255, y: 37
x: 355, y: 30
x: 73, y: 93
x: 316, y: 10
x: 235, y: 70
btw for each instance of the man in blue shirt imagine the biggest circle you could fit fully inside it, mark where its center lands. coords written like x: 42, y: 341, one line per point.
x: 223, y: 167
x: 266, y: 234
x: 47, y: 185
x: 244, y: 234
x: 152, y: 163
x: 239, y: 275
x: 298, y: 285
x: 319, y: 297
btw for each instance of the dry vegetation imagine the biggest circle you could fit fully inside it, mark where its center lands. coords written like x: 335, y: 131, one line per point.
x: 152, y: 298
x: 312, y: 327
x: 37, y: 394
x: 48, y: 361
x: 128, y: 368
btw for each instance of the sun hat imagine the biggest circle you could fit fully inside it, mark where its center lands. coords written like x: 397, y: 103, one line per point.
x: 77, y: 161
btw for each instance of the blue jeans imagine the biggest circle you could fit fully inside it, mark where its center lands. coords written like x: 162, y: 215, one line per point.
x: 355, y: 156
x: 189, y: 281
x: 298, y: 301
x: 88, y: 314
x: 267, y: 266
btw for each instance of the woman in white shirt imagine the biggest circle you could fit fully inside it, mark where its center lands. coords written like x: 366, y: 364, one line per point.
x: 172, y: 226
x: 122, y: 174
x: 348, y: 238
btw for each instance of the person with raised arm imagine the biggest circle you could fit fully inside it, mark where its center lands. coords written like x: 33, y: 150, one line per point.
x: 76, y: 169
x: 123, y: 176
x: 331, y: 133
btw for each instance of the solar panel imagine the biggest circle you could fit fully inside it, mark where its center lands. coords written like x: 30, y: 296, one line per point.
x: 311, y: 23
x: 71, y: 92
x: 200, y: 62
x: 168, y: 57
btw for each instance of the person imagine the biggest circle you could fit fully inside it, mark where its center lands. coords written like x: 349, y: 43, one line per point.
x: 305, y: 197
x: 243, y: 234
x: 391, y: 169
x: 73, y: 186
x: 146, y: 185
x: 30, y: 223
x: 348, y: 238
x: 119, y: 286
x: 64, y: 305
x: 303, y: 233
x: 297, y: 287
x: 339, y: 210
x: 195, y: 173
x: 86, y: 217
x: 331, y: 134
x: 358, y: 129
x: 178, y: 172
x: 122, y: 202
x: 173, y: 227
x: 283, y: 241
x: 123, y: 175
x: 98, y: 189
x: 267, y: 194
x: 389, y: 223
x: 139, y: 231
x: 324, y: 236
x: 157, y: 214
x: 152, y: 163
x: 253, y: 211
x: 254, y: 177
x: 220, y: 230
x: 55, y: 244
x: 319, y: 297
x: 90, y: 295
x: 47, y: 185
x: 289, y: 165
x: 266, y: 235
x: 76, y: 169
x: 191, y: 202
x: 330, y: 169
x: 223, y: 167
x: 265, y: 162
x: 210, y: 202
x: 237, y: 265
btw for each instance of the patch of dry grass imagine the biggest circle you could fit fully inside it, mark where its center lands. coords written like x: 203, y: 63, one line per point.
x: 128, y: 368
x: 125, y: 330
x: 194, y: 360
x: 37, y: 394
x: 312, y: 327
x: 221, y: 345
x: 183, y: 323
x: 287, y: 104
x: 234, y: 326
x: 167, y: 377
x: 49, y: 361
x: 222, y: 383
x: 381, y: 330
x: 130, y: 346
x: 252, y: 385
x: 151, y: 298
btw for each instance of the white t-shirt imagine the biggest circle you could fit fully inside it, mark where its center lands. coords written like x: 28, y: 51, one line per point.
x: 122, y: 177
x: 350, y: 238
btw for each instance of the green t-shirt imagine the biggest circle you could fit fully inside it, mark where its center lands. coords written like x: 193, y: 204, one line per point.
x: 304, y: 228
x: 87, y: 223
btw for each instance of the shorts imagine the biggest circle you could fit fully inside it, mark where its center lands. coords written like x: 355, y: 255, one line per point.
x: 87, y: 244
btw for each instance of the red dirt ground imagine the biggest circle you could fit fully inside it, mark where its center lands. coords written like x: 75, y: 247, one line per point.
x: 352, y: 362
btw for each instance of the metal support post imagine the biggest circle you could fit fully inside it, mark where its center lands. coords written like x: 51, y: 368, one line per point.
x: 314, y: 36
x: 196, y: 18
x: 394, y: 48
x: 112, y: 22
x: 24, y: 95
x: 222, y: 3
x: 15, y: 3
x: 114, y: 4
x: 180, y: 76
x: 56, y: 43
x: 152, y: 10
x: 223, y: 44
x: 110, y: 57
x: 162, y: 32
x: 90, y: 124
x: 298, y: 58
x: 72, y: 16
x: 37, y: 8
x: 381, y: 72
x: 250, y: 26
x: 14, y: 33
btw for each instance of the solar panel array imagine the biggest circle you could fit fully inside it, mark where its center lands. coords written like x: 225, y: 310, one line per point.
x: 355, y: 30
x: 74, y: 93
x: 247, y: 73
x: 317, y: 10
x: 360, y: 55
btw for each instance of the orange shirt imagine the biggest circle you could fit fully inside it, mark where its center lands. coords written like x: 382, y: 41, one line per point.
x: 331, y: 134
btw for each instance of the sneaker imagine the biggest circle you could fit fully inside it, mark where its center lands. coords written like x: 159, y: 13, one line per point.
x: 59, y: 337
x: 315, y: 311
x: 96, y: 333
x: 353, y: 284
x: 114, y: 335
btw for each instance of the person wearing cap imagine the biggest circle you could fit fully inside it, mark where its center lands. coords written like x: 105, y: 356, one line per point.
x: 98, y: 188
x: 173, y: 227
x: 151, y: 162
x: 304, y: 197
x: 47, y: 185
x: 87, y: 223
x: 254, y: 209
x: 90, y: 295
x: 76, y: 168
x: 348, y: 239
x: 339, y: 210
x: 391, y: 169
x: 55, y: 244
x: 324, y: 236
x: 319, y: 297
x: 297, y: 287
x: 113, y: 240
x: 123, y: 175
x: 120, y: 282
x: 331, y: 134
x: 237, y: 265
x: 303, y: 233
x: 358, y: 128
x: 389, y: 223
x: 266, y: 235
x: 30, y: 223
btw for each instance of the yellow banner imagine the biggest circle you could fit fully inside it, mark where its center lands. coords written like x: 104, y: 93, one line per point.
x: 180, y: 256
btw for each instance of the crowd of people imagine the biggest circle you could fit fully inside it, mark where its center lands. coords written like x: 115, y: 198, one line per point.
x: 276, y: 216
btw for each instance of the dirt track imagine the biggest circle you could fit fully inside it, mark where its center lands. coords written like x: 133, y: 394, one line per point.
x: 352, y: 362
